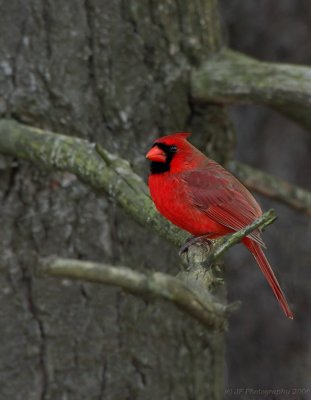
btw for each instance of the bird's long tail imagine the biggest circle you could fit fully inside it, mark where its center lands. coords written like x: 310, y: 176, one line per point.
x: 266, y: 269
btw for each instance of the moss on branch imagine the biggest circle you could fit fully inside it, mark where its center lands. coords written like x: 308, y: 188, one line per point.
x: 103, y: 171
x: 156, y: 284
x: 231, y: 77
x: 190, y: 291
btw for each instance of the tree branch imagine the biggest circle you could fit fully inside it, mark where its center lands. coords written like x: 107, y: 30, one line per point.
x: 156, y: 284
x: 190, y: 293
x: 105, y: 172
x: 272, y: 186
x: 223, y: 244
x: 232, y: 77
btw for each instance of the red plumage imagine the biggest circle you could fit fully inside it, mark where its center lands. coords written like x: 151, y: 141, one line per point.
x: 200, y: 196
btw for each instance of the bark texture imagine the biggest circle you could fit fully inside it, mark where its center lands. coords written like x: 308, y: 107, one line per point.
x: 115, y: 72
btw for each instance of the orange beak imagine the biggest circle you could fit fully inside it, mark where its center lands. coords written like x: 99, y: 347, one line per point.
x: 156, y: 154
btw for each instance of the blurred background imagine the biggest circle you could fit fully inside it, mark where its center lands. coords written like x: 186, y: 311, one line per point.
x: 269, y: 351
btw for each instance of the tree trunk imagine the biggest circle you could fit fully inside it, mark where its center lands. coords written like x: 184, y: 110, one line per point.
x: 115, y: 72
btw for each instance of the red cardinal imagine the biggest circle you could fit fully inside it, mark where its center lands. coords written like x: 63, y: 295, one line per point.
x: 201, y: 197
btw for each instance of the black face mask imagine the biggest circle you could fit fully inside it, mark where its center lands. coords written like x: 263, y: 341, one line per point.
x: 160, y: 167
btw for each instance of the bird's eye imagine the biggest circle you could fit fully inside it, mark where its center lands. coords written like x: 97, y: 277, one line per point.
x: 173, y: 149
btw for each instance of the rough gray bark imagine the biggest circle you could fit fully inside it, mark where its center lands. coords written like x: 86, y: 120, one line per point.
x: 115, y: 72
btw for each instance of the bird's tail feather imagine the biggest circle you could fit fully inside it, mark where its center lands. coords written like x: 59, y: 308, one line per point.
x: 266, y: 269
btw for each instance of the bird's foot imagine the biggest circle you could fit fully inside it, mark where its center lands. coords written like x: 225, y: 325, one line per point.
x: 193, y: 240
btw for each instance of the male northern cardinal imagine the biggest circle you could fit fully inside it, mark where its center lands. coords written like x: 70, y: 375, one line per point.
x: 200, y: 196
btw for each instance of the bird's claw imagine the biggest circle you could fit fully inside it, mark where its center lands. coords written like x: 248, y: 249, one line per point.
x: 191, y: 241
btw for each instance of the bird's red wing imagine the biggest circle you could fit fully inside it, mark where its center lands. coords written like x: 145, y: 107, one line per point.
x: 223, y: 198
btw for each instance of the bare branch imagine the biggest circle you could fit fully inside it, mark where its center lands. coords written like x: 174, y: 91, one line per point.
x: 273, y: 187
x: 156, y: 284
x: 223, y: 244
x: 190, y: 294
x: 106, y: 172
x: 231, y: 77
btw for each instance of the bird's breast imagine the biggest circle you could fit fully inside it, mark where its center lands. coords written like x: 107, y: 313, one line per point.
x: 173, y: 200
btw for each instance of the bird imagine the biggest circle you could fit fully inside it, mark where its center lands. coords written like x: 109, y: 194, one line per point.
x: 201, y: 197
